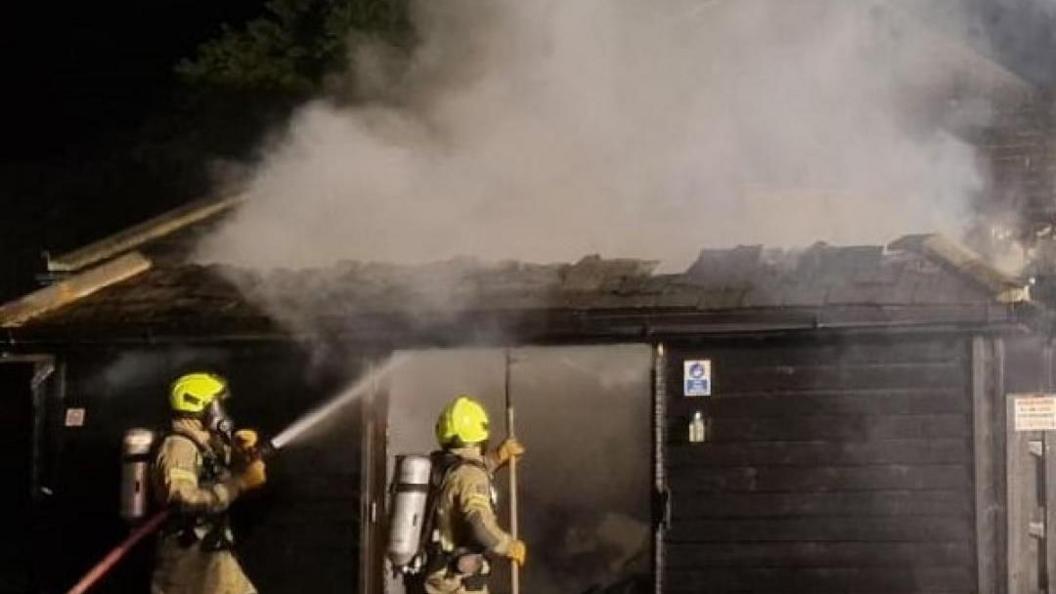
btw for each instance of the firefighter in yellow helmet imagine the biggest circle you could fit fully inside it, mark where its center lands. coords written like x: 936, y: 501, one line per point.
x: 465, y: 530
x: 200, y: 469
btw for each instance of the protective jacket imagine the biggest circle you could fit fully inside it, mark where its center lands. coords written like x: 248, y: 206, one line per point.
x: 465, y: 524
x: 191, y: 476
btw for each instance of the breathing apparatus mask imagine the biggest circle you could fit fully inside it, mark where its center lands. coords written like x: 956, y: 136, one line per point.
x: 217, y: 421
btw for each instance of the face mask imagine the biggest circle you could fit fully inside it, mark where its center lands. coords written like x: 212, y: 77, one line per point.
x: 217, y: 421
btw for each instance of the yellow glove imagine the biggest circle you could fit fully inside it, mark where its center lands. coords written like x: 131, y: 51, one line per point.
x: 254, y: 475
x: 518, y: 552
x: 246, y: 439
x: 509, y: 448
x: 244, y: 448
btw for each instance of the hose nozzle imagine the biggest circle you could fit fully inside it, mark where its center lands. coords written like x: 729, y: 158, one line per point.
x: 254, y: 447
x: 267, y: 449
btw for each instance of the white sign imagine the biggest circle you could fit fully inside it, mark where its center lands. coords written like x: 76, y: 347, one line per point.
x: 74, y: 417
x: 1035, y: 412
x: 696, y: 377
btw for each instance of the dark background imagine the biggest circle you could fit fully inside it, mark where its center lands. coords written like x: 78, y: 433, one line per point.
x: 91, y: 93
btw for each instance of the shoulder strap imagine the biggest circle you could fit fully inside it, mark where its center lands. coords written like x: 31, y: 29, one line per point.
x: 444, y: 463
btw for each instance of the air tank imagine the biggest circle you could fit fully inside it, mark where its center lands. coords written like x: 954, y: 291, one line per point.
x: 136, y: 449
x: 410, y: 492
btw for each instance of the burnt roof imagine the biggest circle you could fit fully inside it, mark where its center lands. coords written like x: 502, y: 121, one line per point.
x: 920, y: 282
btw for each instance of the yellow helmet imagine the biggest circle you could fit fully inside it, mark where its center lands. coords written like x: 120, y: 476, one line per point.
x: 194, y: 392
x: 462, y: 422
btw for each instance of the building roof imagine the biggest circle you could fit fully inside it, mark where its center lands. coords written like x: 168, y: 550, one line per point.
x: 915, y: 280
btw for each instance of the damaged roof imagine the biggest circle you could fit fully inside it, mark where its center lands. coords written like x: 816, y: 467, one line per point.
x: 917, y: 279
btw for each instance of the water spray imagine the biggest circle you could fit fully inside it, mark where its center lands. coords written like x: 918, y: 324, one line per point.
x: 296, y: 430
x: 310, y: 420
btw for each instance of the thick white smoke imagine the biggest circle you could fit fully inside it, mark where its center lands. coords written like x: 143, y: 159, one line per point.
x: 544, y: 130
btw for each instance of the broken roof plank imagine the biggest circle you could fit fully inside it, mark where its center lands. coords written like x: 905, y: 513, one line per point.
x: 72, y: 289
x: 135, y: 236
x: 1005, y: 288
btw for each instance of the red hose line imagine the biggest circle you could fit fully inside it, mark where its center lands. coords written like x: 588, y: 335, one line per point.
x: 108, y: 562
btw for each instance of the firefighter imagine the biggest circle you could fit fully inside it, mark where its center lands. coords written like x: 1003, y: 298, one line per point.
x: 199, y: 470
x: 464, y: 524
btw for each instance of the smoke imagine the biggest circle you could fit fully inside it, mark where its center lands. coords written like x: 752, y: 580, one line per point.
x: 141, y: 369
x: 545, y: 130
x: 317, y: 418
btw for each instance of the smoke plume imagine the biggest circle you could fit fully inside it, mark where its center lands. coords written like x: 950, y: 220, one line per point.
x: 545, y: 130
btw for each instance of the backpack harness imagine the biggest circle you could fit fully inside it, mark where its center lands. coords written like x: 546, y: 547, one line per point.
x: 444, y: 464
x: 212, y: 530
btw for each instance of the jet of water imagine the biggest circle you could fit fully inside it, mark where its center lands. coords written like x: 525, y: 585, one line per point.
x: 360, y: 387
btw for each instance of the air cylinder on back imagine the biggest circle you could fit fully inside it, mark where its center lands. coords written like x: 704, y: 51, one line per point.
x: 136, y: 448
x: 410, y: 492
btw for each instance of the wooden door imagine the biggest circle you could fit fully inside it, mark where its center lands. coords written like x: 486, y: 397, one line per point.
x: 1031, y: 471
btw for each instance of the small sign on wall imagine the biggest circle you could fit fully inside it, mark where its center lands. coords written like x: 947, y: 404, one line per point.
x: 1035, y: 412
x: 74, y: 417
x: 696, y: 377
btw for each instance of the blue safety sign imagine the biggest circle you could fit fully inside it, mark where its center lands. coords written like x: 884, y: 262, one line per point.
x: 696, y: 377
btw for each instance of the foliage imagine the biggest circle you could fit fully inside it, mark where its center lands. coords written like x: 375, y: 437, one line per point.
x: 289, y: 50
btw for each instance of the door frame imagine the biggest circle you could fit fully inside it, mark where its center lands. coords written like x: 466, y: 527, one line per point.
x: 374, y: 465
x: 44, y: 369
x: 46, y: 387
x: 661, y: 494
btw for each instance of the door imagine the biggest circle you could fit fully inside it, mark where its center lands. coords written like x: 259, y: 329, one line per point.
x: 17, y: 417
x: 584, y: 414
x: 1031, y: 468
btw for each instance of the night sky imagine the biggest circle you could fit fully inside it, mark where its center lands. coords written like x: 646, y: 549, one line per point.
x: 82, y: 77
x: 89, y: 69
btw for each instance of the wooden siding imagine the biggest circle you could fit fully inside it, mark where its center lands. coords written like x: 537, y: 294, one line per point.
x: 828, y: 467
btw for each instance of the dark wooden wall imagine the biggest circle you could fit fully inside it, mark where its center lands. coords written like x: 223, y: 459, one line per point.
x: 830, y: 466
x: 299, y: 534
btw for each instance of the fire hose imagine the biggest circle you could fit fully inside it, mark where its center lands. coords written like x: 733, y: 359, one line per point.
x: 146, y: 529
x: 118, y: 553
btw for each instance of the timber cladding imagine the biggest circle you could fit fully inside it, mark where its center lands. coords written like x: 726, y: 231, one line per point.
x: 838, y: 465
